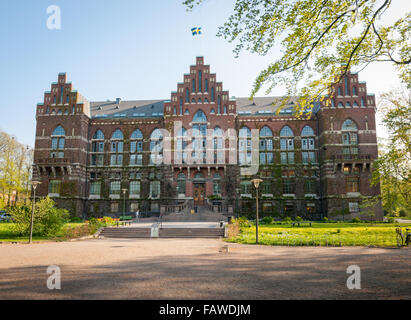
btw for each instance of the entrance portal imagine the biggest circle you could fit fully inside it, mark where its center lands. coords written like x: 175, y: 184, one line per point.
x: 199, y: 194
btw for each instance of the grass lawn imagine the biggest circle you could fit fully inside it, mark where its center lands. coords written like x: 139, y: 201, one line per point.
x: 7, y: 233
x: 323, y: 234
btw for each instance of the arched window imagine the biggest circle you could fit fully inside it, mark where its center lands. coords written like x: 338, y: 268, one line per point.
x: 349, y: 139
x: 65, y: 112
x: 59, y: 113
x: 340, y: 105
x: 156, y: 147
x: 181, y: 184
x: 244, y: 146
x: 308, y: 144
x: 116, y: 148
x: 206, y: 85
x: 348, y: 104
x: 193, y: 100
x: 205, y: 100
x: 362, y: 102
x: 67, y: 99
x: 212, y: 111
x: 286, y: 132
x: 175, y: 111
x: 266, y: 132
x: 287, y: 145
x: 349, y: 125
x: 194, y: 85
x: 200, y: 101
x: 198, y: 175
x: 54, y: 100
x: 347, y: 91
x: 98, y: 135
x: 187, y: 95
x: 200, y: 117
x: 181, y: 105
x: 225, y: 109
x: 354, y: 91
x: 212, y: 95
x: 97, y: 149
x: 219, y: 105
x: 57, y: 142
x: 356, y: 104
x: 136, y: 148
x: 200, y: 80
x: 266, y: 146
x: 59, y: 131
x: 339, y: 91
x: 307, y: 132
x: 187, y: 112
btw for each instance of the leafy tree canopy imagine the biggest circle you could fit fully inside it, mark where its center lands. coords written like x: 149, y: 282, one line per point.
x: 321, y: 40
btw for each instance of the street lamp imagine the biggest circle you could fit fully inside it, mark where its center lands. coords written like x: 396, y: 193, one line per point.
x: 256, y: 183
x: 34, y: 184
x: 124, y: 201
x: 237, y: 193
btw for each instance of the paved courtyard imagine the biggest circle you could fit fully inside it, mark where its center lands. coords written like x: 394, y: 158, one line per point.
x: 199, y: 269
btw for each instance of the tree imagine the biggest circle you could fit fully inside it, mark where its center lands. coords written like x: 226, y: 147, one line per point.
x: 393, y: 167
x: 321, y: 40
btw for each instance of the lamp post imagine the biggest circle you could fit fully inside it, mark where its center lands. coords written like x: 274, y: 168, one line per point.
x: 237, y: 193
x: 124, y: 201
x: 34, y: 184
x: 256, y: 183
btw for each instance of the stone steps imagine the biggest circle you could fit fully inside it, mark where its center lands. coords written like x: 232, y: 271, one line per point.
x: 163, y: 233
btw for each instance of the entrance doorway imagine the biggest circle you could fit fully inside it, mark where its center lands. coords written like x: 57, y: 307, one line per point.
x: 199, y: 194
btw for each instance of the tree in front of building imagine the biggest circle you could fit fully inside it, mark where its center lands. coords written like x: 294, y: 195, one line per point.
x: 320, y: 41
x: 393, y: 167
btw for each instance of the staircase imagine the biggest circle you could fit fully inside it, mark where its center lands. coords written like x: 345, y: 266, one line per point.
x: 191, y: 233
x: 126, y: 233
x: 163, y: 233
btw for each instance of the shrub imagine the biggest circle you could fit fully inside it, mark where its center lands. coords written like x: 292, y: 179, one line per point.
x: 356, y: 220
x: 287, y: 220
x: 325, y: 219
x: 76, y: 220
x: 298, y: 218
x: 243, y: 222
x: 48, y: 220
x: 391, y: 220
x: 268, y: 220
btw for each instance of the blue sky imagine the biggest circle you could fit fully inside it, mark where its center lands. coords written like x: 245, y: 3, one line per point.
x: 126, y: 48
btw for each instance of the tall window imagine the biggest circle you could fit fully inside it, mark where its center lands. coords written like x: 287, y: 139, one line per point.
x: 97, y: 149
x: 156, y: 147
x: 135, y: 189
x: 136, y: 148
x: 219, y: 105
x: 115, y: 187
x: 244, y: 146
x: 212, y: 95
x: 181, y: 184
x: 199, y: 141
x: 61, y: 94
x: 266, y: 146
x: 155, y: 189
x: 54, y: 187
x: 95, y: 188
x: 187, y: 96
x: 200, y: 80
x: 217, y: 184
x: 181, y: 146
x: 288, y: 181
x: 352, y: 184
x: 194, y: 85
x: 181, y: 105
x: 57, y: 142
x: 287, y: 145
x: 218, y: 145
x: 349, y: 139
x: 116, y: 148
x: 246, y: 187
x: 308, y: 145
x: 347, y: 91
x: 206, y: 85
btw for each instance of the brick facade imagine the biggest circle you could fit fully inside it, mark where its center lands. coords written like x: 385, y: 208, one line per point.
x: 86, y: 153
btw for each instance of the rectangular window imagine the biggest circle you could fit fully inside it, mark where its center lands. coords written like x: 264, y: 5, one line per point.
x: 115, y: 187
x: 353, y: 207
x: 54, y: 186
x: 310, y: 186
x: 114, y: 207
x: 352, y: 184
x: 95, y: 188
x: 155, y: 189
x: 246, y: 187
x: 54, y: 143
x: 288, y: 186
x: 135, y: 188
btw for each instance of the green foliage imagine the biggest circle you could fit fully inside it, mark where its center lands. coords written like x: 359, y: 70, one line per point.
x: 75, y: 220
x: 325, y: 219
x: 298, y: 218
x: 268, y: 220
x: 390, y: 220
x: 287, y: 220
x: 243, y: 222
x: 48, y: 220
x: 319, y: 41
x: 356, y: 220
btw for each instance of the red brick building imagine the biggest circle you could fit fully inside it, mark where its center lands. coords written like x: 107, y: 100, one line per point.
x: 202, y: 147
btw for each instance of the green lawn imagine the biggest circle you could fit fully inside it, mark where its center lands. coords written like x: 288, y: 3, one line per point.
x: 323, y: 234
x: 7, y: 233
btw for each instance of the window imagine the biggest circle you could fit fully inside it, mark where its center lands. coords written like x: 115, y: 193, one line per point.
x: 54, y: 187
x: 57, y: 142
x: 181, y: 184
x: 200, y: 80
x: 206, y: 85
x: 114, y: 207
x: 349, y: 125
x: 352, y: 184
x: 246, y: 187
x: 217, y: 184
x: 349, y: 139
x: 347, y: 91
x: 59, y: 131
x: 287, y: 144
x: 219, y: 105
x: 309, y: 186
x: 187, y: 95
x: 181, y: 105
x: 212, y: 111
x: 225, y: 109
x: 135, y: 188
x: 156, y: 147
x: 200, y: 117
x: 136, y: 148
x: 155, y: 189
x: 244, y: 146
x: 194, y: 85
x: 266, y: 144
x: 95, y: 188
x: 115, y: 187
x: 212, y: 95
x: 288, y: 186
x: 307, y: 132
x: 353, y: 207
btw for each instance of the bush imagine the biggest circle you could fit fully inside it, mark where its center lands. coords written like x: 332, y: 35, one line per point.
x: 325, y: 219
x: 48, y: 220
x: 287, y: 220
x: 298, y: 218
x: 391, y: 220
x: 76, y: 220
x: 243, y: 222
x: 356, y: 220
x: 268, y: 220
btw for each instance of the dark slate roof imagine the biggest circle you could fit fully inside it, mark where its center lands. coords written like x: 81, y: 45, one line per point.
x: 263, y: 105
x: 127, y: 109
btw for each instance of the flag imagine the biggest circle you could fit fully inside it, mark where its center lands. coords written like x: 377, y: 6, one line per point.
x: 196, y: 30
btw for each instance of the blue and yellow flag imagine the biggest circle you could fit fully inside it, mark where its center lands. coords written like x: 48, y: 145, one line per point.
x: 196, y: 30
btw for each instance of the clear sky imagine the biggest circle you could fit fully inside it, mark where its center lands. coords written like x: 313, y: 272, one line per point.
x: 131, y: 49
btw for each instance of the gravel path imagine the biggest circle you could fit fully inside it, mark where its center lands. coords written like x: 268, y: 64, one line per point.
x: 199, y: 269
